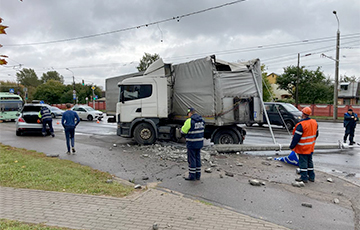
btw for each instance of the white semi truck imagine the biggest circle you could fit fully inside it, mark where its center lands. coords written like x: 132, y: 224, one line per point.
x: 152, y: 106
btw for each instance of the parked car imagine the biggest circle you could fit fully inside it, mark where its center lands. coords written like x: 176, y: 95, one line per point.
x: 86, y: 112
x: 28, y: 120
x: 56, y: 112
x: 290, y: 115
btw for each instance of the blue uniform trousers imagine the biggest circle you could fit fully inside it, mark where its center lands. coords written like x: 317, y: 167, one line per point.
x: 194, y: 162
x: 306, y: 167
x: 49, y: 123
x: 350, y: 130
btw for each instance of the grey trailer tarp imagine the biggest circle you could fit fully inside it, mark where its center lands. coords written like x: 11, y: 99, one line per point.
x: 216, y: 88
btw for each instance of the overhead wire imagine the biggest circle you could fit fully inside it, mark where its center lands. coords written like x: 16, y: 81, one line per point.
x: 177, y: 18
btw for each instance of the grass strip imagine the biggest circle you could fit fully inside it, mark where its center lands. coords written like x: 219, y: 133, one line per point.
x: 17, y: 225
x: 21, y: 168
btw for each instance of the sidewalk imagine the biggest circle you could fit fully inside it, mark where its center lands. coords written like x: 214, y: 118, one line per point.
x: 168, y: 210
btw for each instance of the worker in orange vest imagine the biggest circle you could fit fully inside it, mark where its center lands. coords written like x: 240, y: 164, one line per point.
x: 303, y: 143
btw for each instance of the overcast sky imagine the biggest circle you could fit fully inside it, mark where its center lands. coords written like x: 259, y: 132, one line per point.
x: 41, y: 34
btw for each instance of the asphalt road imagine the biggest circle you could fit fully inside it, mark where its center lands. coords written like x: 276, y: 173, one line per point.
x: 98, y: 147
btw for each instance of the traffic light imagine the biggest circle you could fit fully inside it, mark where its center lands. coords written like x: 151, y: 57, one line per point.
x: 83, y: 83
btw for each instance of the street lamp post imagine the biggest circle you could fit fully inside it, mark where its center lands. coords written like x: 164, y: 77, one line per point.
x: 74, y: 91
x: 337, y: 60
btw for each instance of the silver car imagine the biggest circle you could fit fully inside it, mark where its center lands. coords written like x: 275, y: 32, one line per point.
x: 55, y: 111
x: 29, y: 121
x: 86, y: 112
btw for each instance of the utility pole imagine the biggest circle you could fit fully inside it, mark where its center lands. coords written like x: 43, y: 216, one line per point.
x: 337, y: 60
x: 297, y: 83
x: 74, y: 91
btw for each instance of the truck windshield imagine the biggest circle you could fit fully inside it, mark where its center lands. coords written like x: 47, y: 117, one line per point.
x: 133, y: 92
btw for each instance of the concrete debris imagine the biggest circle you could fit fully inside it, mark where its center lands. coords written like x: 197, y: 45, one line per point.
x: 205, y: 155
x: 155, y: 226
x: 308, y: 205
x: 221, y: 175
x: 145, y: 178
x: 254, y: 182
x: 336, y: 201
x: 263, y: 183
x: 265, y: 163
x: 289, y: 222
x: 109, y: 181
x: 212, y: 164
x: 279, y: 166
x: 114, y: 145
x: 340, y: 193
x: 145, y: 155
x: 230, y: 174
x: 329, y: 180
x: 110, y: 149
x: 208, y: 170
x: 350, y: 175
x: 239, y: 164
x: 138, y: 186
x: 173, y: 151
x: 269, y: 158
x: 53, y: 155
x: 298, y: 184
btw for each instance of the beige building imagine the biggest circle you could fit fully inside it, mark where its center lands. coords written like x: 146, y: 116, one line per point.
x: 278, y: 93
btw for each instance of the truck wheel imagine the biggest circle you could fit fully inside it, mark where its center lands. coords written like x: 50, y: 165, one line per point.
x: 289, y: 125
x: 225, y: 137
x: 90, y: 118
x: 144, y: 134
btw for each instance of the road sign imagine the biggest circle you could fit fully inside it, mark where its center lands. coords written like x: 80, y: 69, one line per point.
x: 92, y: 87
x: 11, y: 90
x: 74, y: 96
x: 96, y: 97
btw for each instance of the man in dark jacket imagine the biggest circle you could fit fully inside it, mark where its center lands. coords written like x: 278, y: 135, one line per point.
x: 69, y: 124
x: 45, y: 116
x: 193, y: 129
x: 350, y: 119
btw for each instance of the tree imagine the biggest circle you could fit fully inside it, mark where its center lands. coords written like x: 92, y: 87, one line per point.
x: 266, y: 86
x: 345, y: 78
x: 28, y: 77
x: 51, y: 92
x: 52, y: 75
x: 146, y: 61
x: 313, y: 85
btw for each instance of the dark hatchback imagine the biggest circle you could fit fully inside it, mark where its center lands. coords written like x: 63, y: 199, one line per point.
x: 290, y: 115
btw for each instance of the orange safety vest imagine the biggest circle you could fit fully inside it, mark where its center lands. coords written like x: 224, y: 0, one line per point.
x: 306, y: 144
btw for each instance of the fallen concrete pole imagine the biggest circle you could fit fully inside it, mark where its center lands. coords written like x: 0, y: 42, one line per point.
x: 267, y: 147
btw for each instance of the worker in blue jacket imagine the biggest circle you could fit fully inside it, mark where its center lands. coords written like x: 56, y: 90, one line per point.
x: 350, y: 120
x: 46, y: 119
x: 193, y: 129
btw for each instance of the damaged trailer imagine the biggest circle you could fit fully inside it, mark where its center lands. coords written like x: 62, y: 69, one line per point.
x: 151, y: 107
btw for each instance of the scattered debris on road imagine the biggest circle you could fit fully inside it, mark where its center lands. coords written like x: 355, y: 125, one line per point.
x: 308, y: 205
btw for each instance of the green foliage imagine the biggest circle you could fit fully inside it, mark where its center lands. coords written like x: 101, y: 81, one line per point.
x: 50, y: 92
x: 266, y: 86
x: 313, y: 86
x: 28, y: 77
x: 52, y: 75
x: 146, y: 61
x: 17, y: 225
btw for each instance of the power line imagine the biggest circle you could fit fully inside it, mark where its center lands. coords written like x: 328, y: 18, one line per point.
x: 177, y: 18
